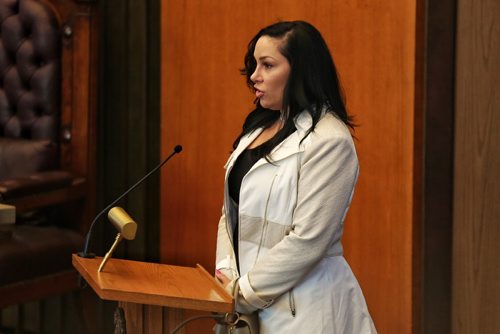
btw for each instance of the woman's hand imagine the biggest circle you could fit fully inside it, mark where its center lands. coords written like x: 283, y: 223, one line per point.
x: 242, y: 305
x: 223, y: 279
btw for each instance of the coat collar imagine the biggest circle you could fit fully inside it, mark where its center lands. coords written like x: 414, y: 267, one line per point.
x: 245, y: 141
x: 287, y: 147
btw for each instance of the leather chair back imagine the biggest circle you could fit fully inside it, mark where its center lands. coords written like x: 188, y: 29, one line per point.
x: 30, y: 86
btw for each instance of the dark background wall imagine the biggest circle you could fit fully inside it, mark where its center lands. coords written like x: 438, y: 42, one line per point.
x: 437, y: 110
x: 129, y: 126
x: 129, y: 118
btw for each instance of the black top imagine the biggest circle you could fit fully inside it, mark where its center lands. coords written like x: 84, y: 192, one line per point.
x: 243, y: 164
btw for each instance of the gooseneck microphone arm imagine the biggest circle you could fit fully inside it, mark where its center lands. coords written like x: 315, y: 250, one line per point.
x: 177, y: 149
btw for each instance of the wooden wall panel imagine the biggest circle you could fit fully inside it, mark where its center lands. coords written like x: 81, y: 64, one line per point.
x: 130, y: 130
x: 476, y: 270
x: 433, y: 253
x: 204, y: 101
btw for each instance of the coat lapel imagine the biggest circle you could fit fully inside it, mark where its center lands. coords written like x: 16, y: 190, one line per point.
x: 291, y: 144
x: 287, y: 147
x: 242, y: 145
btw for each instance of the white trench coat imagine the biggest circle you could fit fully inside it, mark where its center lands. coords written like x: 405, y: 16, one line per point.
x: 291, y: 215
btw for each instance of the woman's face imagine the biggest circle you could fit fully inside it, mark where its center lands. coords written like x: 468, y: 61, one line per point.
x: 271, y: 73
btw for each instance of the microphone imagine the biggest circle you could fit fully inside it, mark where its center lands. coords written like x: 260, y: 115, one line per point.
x: 85, y: 253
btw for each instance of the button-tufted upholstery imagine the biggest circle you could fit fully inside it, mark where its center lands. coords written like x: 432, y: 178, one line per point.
x: 30, y: 57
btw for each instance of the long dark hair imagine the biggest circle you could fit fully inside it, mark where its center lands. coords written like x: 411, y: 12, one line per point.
x: 313, y: 84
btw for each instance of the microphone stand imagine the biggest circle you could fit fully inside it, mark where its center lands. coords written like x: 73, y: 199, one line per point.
x: 85, y: 253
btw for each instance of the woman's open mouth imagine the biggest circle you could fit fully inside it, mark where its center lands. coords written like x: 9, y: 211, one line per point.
x: 258, y: 93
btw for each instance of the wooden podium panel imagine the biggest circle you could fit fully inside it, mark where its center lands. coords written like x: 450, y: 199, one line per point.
x: 153, y: 296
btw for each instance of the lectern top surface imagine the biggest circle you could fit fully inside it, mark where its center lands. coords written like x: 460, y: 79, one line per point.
x: 154, y: 284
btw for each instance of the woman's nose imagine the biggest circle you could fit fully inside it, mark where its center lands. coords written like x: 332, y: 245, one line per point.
x: 255, y: 77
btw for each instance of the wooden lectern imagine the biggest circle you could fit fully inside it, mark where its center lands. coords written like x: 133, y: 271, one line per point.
x: 153, y: 296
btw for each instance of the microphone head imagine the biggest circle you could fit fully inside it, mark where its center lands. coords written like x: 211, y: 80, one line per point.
x: 123, y: 222
x: 177, y: 148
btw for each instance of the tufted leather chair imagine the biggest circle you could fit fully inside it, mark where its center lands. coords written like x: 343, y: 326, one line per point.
x: 47, y: 142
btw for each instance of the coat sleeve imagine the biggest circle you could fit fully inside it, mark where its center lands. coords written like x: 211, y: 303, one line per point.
x: 328, y: 173
x: 224, y: 259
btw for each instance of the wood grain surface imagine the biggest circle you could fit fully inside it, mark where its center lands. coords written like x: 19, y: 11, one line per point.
x: 205, y: 100
x: 154, y: 284
x: 476, y: 227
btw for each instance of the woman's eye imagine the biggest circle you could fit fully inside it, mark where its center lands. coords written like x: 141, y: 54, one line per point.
x: 267, y: 65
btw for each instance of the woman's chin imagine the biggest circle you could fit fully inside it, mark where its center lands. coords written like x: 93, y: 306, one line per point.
x: 268, y: 106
